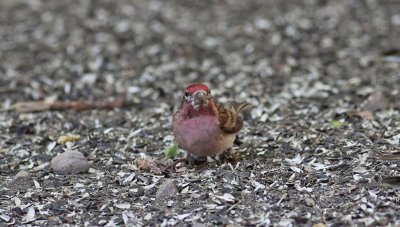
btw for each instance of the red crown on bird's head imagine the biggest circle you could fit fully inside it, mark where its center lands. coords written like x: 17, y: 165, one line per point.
x: 191, y: 89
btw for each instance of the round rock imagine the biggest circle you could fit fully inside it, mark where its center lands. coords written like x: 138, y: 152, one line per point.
x: 69, y: 162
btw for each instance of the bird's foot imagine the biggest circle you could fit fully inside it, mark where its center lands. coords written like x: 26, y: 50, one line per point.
x: 188, y: 159
x: 228, y: 156
x: 171, y: 167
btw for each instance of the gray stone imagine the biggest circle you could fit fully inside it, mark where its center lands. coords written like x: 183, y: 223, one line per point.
x: 69, y: 162
x: 167, y: 189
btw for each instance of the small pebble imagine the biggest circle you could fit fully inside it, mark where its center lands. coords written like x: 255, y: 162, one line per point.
x: 167, y: 189
x: 21, y: 174
x: 309, y: 202
x: 21, y: 181
x: 69, y: 162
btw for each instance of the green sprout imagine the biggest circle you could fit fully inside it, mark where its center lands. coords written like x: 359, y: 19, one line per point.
x: 336, y: 124
x: 171, y: 151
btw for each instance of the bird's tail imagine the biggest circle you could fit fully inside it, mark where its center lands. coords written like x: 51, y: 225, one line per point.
x: 238, y: 106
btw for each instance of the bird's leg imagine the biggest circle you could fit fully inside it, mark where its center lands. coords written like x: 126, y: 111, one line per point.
x: 230, y: 156
x: 182, y: 159
x: 219, y: 156
x: 190, y: 160
x: 187, y: 158
x: 228, y: 153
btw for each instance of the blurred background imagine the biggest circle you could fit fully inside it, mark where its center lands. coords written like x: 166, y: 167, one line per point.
x: 87, y: 49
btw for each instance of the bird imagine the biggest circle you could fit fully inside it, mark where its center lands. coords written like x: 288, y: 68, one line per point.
x: 203, y: 127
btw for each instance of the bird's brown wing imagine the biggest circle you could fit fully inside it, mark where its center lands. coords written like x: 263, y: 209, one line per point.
x: 228, y: 117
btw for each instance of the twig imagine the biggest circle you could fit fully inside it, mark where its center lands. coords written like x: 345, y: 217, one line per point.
x: 38, y: 106
x: 7, y: 90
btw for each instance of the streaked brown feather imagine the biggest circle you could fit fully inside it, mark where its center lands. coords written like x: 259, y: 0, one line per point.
x: 228, y: 117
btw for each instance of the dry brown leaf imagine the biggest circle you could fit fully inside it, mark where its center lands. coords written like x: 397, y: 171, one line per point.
x: 147, y: 164
x: 366, y: 115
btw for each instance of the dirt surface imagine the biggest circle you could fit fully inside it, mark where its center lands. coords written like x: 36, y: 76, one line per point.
x: 323, y: 77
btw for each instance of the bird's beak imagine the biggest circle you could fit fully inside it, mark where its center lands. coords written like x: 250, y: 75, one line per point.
x: 200, y: 98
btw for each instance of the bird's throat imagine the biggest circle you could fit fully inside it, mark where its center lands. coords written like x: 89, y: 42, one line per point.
x: 189, y: 111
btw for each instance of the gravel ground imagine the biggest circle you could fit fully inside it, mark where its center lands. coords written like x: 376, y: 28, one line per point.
x: 323, y: 77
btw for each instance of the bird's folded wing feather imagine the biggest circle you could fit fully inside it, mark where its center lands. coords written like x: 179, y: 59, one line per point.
x: 238, y: 106
x: 228, y: 117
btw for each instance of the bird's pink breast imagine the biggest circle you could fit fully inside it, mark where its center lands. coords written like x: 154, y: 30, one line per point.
x: 201, y: 136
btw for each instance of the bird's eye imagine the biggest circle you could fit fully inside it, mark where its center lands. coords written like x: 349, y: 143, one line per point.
x: 187, y: 96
